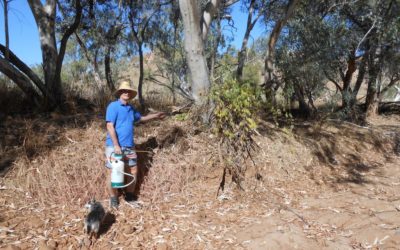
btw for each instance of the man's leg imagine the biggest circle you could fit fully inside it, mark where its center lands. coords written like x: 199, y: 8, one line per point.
x: 131, y: 168
x: 113, y: 192
x: 130, y: 190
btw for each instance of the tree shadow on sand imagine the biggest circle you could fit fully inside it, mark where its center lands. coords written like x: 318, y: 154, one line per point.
x: 346, y: 149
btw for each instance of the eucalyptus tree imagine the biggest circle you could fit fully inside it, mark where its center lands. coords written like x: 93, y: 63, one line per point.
x: 209, y: 10
x: 221, y: 33
x: 314, y: 49
x: 170, y: 60
x: 101, y: 36
x: 347, y: 43
x: 197, y: 17
x: 194, y: 48
x: 47, y: 20
x: 45, y: 17
x: 255, y: 10
x: 284, y: 14
x: 142, y: 17
x: 378, y: 23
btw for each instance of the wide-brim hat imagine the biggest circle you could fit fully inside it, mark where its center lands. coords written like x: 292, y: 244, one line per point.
x: 124, y: 85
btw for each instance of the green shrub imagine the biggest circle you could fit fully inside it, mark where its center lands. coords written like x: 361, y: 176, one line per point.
x: 236, y: 110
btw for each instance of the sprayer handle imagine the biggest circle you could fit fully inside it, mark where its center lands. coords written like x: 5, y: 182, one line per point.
x: 117, y: 156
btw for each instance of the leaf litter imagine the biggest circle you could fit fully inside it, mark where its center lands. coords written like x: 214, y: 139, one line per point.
x: 302, y: 200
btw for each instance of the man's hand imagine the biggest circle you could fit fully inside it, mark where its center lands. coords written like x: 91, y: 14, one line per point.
x: 117, y: 150
x: 160, y: 115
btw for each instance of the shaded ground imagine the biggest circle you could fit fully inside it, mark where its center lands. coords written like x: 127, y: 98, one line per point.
x: 324, y: 186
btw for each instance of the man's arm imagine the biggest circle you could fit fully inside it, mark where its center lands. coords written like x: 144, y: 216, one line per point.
x: 158, y: 115
x: 113, y: 135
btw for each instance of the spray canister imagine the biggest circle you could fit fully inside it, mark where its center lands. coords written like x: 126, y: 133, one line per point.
x: 117, y: 171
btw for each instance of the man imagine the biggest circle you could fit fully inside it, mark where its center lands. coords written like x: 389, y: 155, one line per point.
x: 120, y: 119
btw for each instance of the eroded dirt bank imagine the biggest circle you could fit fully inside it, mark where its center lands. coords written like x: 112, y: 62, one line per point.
x: 323, y: 186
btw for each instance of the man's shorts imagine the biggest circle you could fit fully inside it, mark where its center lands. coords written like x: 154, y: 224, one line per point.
x: 129, y: 156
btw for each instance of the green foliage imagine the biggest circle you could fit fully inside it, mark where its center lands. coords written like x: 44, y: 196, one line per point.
x: 182, y: 117
x: 236, y: 108
x: 227, y: 65
x: 252, y: 73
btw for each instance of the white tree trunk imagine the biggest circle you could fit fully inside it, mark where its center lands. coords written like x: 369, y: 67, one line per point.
x: 208, y: 16
x: 45, y: 21
x: 195, y: 51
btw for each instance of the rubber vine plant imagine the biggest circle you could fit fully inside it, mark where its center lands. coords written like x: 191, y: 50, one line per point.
x: 235, y: 115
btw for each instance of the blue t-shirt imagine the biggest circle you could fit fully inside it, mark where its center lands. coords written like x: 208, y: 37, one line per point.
x: 123, y: 116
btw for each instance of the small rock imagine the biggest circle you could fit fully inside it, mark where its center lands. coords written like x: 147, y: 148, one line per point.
x: 162, y: 246
x: 11, y: 247
x: 43, y: 246
x: 52, y: 244
x: 86, y: 242
x: 25, y: 246
x: 179, y: 234
x: 128, y: 229
x: 34, y: 223
x: 63, y: 242
x: 135, y: 245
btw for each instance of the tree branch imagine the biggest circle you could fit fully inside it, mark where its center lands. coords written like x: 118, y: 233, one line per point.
x: 37, y: 9
x: 365, y: 36
x: 67, y: 34
x: 228, y: 3
x: 392, y: 82
x: 208, y: 16
x: 181, y: 91
x: 21, y: 66
x: 333, y: 80
x: 20, y: 79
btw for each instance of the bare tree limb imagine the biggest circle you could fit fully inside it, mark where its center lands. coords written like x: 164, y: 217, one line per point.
x: 333, y: 80
x: 393, y: 81
x: 67, y: 34
x: 21, y: 66
x: 183, y: 93
x: 365, y: 36
x: 20, y: 79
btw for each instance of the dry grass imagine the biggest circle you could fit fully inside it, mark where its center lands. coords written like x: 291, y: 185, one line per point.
x: 13, y: 101
x: 62, y: 161
x: 59, y: 158
x: 69, y: 174
x: 180, y: 182
x: 180, y: 160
